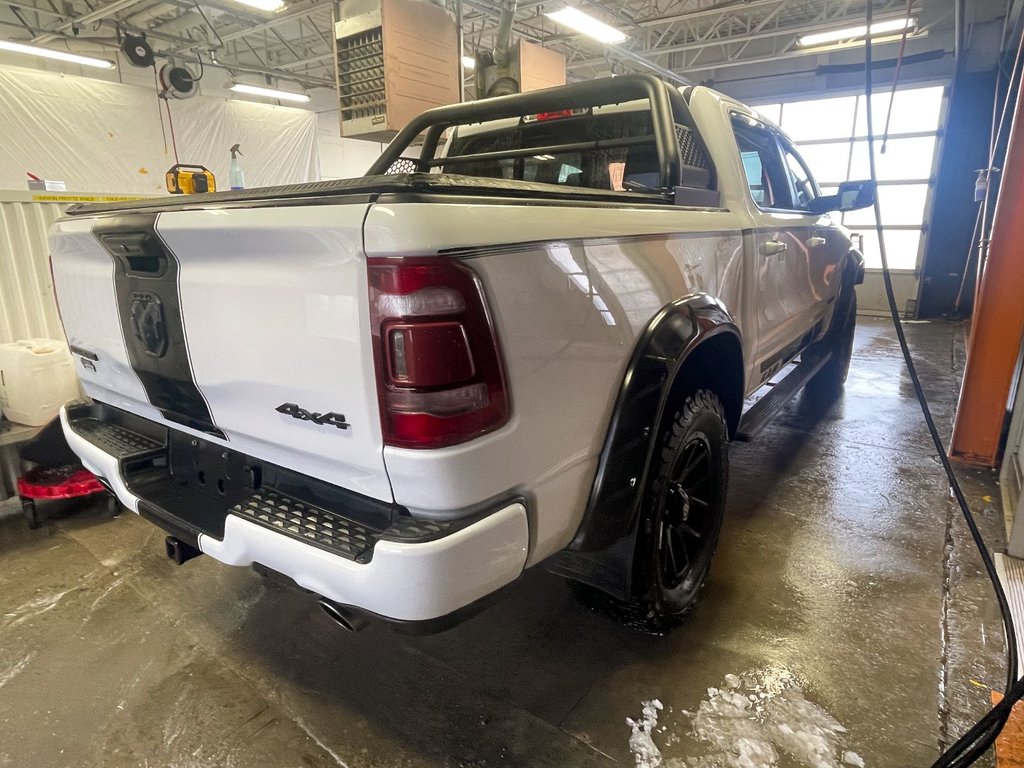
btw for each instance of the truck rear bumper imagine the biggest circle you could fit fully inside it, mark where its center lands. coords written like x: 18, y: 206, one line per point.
x: 403, y: 581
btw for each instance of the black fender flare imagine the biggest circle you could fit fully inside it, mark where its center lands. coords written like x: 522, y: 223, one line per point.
x: 601, y: 553
x: 853, y: 272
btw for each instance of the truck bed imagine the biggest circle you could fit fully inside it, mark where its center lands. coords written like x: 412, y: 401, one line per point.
x: 328, y: 192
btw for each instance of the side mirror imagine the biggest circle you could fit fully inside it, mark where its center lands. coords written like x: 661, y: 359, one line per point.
x: 852, y: 195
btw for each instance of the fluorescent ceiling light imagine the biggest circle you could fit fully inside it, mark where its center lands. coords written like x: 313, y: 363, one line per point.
x: 263, y: 5
x: 469, y: 62
x: 50, y: 53
x: 875, y: 40
x: 837, y: 35
x: 270, y: 93
x: 573, y: 18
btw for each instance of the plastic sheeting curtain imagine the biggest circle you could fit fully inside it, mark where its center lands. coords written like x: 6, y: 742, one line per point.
x: 105, y: 137
x: 27, y: 307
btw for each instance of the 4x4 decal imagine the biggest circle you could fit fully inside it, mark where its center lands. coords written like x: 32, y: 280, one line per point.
x: 329, y: 419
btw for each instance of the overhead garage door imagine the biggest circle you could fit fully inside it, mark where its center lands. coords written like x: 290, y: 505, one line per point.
x: 832, y: 134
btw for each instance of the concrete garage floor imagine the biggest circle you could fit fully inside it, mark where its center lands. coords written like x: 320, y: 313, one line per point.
x: 842, y: 563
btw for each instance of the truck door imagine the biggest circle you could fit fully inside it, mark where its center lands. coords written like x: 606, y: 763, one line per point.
x: 792, y: 250
x: 823, y: 245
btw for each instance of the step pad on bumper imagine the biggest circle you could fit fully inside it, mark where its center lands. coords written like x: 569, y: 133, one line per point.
x: 331, y: 531
x: 189, y: 486
x: 311, y: 524
x: 117, y: 441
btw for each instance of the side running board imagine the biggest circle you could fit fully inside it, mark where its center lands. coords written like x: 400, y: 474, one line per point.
x: 764, y: 410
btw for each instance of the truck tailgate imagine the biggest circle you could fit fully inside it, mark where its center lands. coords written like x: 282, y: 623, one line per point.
x: 244, y: 326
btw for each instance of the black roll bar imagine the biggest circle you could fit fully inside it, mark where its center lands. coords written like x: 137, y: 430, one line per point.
x: 590, y: 93
x: 549, y: 149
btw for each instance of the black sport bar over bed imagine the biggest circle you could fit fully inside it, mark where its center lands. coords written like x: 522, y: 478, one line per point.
x: 665, y: 103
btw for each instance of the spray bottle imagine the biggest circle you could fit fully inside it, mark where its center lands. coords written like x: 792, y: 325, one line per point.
x: 236, y: 177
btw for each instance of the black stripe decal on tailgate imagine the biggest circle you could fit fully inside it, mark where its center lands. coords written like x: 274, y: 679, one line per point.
x: 149, y: 308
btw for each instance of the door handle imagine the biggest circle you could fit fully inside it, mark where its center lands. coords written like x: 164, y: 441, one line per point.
x: 773, y: 247
x: 814, y: 241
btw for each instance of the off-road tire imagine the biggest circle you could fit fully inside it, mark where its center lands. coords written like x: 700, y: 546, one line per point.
x: 661, y: 602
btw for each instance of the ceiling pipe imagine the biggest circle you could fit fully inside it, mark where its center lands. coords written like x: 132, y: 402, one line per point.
x: 460, y: 43
x: 234, y: 10
x: 644, y: 62
x: 42, y: 12
x: 83, y: 42
x: 281, y: 18
x: 717, y: 10
x: 790, y: 31
x: 184, y: 42
x: 185, y: 54
x: 616, y: 50
x: 792, y: 54
x: 180, y: 24
x: 153, y: 11
x: 86, y: 18
x: 615, y: 13
x: 310, y: 60
x: 503, y: 37
x: 230, y: 66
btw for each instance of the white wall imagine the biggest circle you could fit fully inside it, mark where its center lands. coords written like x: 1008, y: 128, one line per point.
x: 346, y: 158
x: 27, y: 307
x: 335, y: 157
x: 106, y: 137
x: 339, y: 158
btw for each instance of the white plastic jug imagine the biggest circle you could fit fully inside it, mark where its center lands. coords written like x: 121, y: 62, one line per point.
x: 37, y: 376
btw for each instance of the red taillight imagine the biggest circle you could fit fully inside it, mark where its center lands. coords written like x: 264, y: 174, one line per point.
x: 556, y: 115
x: 439, y: 372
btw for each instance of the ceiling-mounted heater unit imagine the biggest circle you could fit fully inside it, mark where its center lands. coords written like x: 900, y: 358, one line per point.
x: 395, y: 58
x: 525, y: 67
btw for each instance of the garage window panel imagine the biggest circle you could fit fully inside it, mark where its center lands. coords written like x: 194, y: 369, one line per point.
x: 903, y: 160
x: 772, y: 112
x: 901, y: 247
x: 832, y: 138
x: 913, y: 110
x: 819, y: 118
x: 829, y: 162
x: 901, y: 204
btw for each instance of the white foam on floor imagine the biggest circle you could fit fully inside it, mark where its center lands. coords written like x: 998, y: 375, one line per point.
x: 756, y: 720
x: 641, y: 743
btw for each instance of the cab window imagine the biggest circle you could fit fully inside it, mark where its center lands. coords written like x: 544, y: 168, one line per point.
x: 632, y: 168
x: 766, y: 176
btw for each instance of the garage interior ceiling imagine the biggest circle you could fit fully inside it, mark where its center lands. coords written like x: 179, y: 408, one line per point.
x: 686, y: 37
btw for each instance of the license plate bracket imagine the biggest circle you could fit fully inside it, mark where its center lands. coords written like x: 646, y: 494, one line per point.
x: 212, y: 469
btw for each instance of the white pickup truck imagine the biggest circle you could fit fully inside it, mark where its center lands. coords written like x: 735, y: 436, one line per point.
x: 530, y: 343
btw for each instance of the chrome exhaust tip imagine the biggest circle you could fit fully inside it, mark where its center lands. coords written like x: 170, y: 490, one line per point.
x: 346, y: 618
